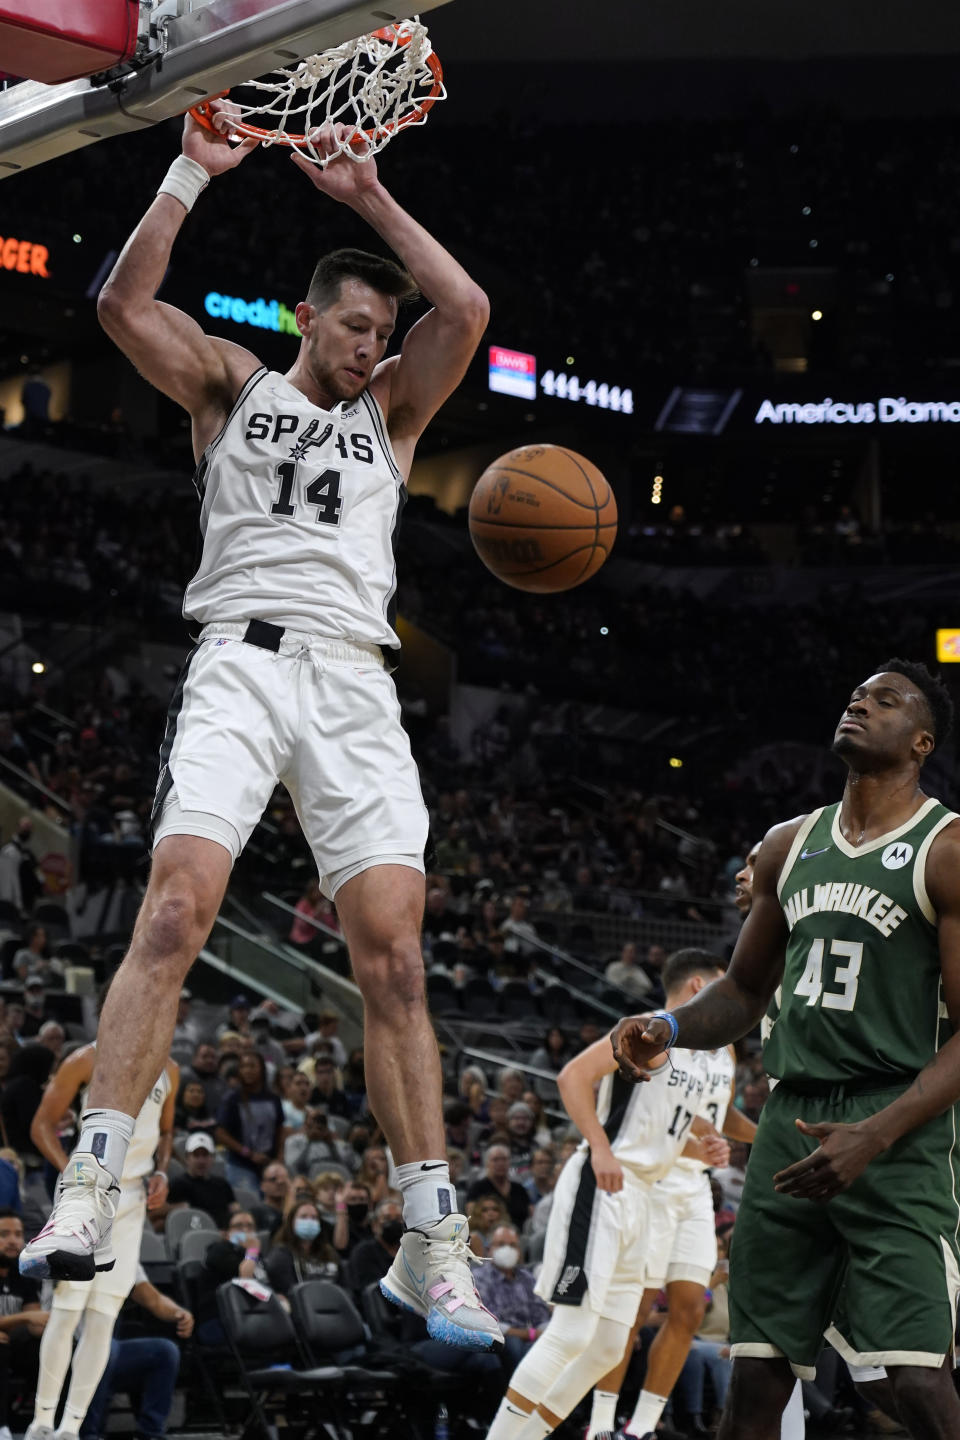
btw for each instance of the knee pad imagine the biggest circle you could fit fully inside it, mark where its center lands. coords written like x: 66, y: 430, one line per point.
x: 603, y: 1348
x: 570, y: 1329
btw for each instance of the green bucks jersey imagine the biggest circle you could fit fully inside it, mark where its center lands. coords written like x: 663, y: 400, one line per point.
x: 861, y: 992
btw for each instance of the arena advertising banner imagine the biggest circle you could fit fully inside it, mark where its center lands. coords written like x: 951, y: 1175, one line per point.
x: 710, y: 410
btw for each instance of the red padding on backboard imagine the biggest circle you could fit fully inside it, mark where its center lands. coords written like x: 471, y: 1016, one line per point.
x: 55, y: 40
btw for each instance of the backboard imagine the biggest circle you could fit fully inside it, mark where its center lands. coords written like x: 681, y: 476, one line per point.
x: 189, y: 50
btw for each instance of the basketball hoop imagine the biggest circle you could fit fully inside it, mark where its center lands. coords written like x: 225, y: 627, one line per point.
x: 376, y: 86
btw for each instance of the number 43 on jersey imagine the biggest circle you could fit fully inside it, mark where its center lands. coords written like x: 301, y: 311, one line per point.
x: 846, y: 975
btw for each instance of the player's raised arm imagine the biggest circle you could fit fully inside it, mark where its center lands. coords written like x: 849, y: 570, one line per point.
x: 410, y: 387
x: 168, y: 347
x: 734, y: 1004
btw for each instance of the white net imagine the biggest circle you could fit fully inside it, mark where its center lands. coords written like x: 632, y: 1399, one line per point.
x: 376, y: 85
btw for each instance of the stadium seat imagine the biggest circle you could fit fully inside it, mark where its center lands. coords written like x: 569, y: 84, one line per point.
x: 153, y: 1249
x: 177, y: 1224
x: 327, y: 1324
x: 263, y: 1342
x: 194, y: 1244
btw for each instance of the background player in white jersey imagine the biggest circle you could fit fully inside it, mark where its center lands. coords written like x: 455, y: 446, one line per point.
x: 682, y: 1252
x: 597, y: 1239
x: 302, y: 479
x: 143, y: 1186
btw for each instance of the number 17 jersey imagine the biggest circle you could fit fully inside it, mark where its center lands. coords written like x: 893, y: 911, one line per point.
x: 861, y: 993
x: 299, y: 514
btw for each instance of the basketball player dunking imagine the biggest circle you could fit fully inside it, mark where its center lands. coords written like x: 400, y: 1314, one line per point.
x: 301, y: 482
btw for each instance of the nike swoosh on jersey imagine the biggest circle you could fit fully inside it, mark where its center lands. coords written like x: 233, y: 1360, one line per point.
x: 439, y: 1166
x: 809, y: 854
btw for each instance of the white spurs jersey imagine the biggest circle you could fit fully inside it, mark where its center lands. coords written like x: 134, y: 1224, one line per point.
x: 648, y: 1124
x: 146, y: 1133
x: 720, y: 1068
x: 300, y: 509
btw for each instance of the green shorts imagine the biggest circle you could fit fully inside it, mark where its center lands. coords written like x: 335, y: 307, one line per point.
x: 892, y: 1237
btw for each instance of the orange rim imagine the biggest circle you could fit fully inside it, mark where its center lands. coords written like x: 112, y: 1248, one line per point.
x: 202, y: 112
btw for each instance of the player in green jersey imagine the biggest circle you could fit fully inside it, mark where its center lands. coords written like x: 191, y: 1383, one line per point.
x: 854, y: 1173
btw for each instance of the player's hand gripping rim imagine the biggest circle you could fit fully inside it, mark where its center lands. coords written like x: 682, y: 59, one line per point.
x: 639, y: 1039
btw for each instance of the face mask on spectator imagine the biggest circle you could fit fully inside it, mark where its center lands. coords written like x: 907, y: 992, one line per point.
x: 358, y: 1211
x: 239, y: 1238
x: 306, y: 1228
x: 391, y: 1232
x: 505, y: 1257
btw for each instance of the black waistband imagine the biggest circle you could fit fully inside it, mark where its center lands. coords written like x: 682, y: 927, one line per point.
x: 262, y: 633
x: 839, y: 1089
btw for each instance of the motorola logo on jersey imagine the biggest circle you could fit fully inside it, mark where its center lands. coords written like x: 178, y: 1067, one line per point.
x: 896, y: 856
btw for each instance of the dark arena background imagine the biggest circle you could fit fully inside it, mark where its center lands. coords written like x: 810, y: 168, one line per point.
x: 722, y: 250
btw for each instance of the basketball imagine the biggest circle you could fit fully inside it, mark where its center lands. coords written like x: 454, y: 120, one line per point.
x: 543, y: 518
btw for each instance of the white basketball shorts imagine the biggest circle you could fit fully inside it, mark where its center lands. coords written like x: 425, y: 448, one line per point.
x: 114, y: 1285
x: 596, y: 1243
x: 322, y: 716
x: 683, y: 1237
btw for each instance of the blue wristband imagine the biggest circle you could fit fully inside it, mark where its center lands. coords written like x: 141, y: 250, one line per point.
x: 671, y: 1021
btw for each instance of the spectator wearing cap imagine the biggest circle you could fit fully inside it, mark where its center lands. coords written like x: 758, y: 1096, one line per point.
x: 199, y: 1187
x: 186, y: 1034
x: 238, y: 1017
x: 35, y: 1009
x: 507, y: 1289
x: 496, y: 1181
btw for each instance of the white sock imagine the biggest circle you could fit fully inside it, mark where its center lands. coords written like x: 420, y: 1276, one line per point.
x: 508, y: 1422
x: 536, y: 1428
x: 427, y: 1193
x: 648, y: 1411
x: 106, y: 1135
x: 89, y: 1362
x: 56, y: 1349
x: 603, y: 1416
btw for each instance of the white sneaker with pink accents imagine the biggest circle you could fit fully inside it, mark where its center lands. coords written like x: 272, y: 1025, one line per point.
x: 75, y: 1242
x: 431, y: 1276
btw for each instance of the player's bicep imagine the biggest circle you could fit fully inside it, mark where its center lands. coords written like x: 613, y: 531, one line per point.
x: 433, y: 360
x: 942, y: 882
x: 171, y: 351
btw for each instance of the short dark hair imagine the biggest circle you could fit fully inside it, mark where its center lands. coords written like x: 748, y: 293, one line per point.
x: 374, y: 270
x: 678, y: 967
x: 6, y: 1213
x: 932, y: 689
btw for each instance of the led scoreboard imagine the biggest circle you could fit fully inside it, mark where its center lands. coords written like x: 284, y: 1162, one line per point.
x: 592, y: 392
x: 514, y: 372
